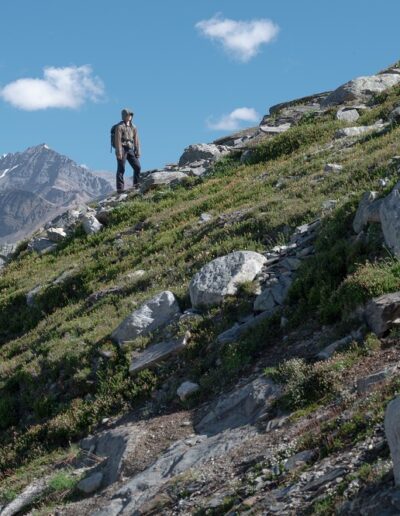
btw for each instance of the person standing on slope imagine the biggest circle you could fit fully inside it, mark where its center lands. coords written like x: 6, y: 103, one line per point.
x: 127, y: 147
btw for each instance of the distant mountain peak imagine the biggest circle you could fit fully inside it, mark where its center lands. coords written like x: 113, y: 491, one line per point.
x: 54, y: 180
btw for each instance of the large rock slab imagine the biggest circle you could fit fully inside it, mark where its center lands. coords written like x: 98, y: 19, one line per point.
x: 368, y: 211
x: 237, y: 330
x: 382, y: 313
x: 239, y: 407
x: 392, y: 430
x: 156, y: 353
x: 359, y: 130
x: 42, y: 245
x: 222, y: 277
x: 361, y: 89
x: 153, y: 314
x: 200, y: 151
x: 161, y: 178
x: 389, y: 213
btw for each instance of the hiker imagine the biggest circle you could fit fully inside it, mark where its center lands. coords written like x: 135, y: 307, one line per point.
x: 127, y: 147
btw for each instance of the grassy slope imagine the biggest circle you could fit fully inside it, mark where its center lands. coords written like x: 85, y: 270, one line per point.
x: 53, y: 386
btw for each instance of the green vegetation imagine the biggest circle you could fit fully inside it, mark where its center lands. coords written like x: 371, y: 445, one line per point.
x: 54, y: 385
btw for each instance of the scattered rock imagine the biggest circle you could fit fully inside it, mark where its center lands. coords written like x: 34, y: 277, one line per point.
x: 361, y: 89
x: 299, y: 459
x: 222, y: 277
x: 186, y: 389
x: 329, y: 204
x: 42, y: 245
x: 161, y: 178
x: 368, y: 211
x: 358, y: 130
x: 238, y: 330
x: 347, y: 114
x: 156, y: 353
x: 32, y: 294
x: 328, y: 351
x: 333, y: 167
x: 90, y: 224
x: 239, y: 407
x: 270, y: 129
x: 382, y: 313
x: 56, y: 234
x: 91, y: 483
x: 364, y: 384
x: 153, y: 314
x: 202, y: 151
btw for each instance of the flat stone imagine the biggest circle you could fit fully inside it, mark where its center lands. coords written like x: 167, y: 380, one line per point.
x: 299, y: 459
x: 156, y: 353
x: 42, y: 245
x: 367, y: 382
x: 239, y: 407
x: 236, y: 331
x: 358, y: 130
x: 324, y: 479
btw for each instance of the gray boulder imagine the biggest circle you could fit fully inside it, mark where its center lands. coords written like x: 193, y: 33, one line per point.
x: 151, y: 316
x: 392, y: 430
x: 222, y: 277
x: 394, y: 116
x: 389, y: 213
x: 91, y: 483
x: 41, y: 245
x: 186, y: 389
x: 347, y: 115
x: 361, y: 89
x: 56, y: 234
x: 382, y: 313
x: 196, y: 152
x: 161, y: 178
x: 90, y: 224
x: 368, y: 211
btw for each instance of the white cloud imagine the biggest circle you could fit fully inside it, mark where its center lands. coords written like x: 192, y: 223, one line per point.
x: 67, y: 87
x: 232, y: 122
x: 241, y: 39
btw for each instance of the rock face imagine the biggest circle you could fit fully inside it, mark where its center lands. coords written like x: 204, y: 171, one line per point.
x: 201, y: 151
x: 389, y: 212
x: 36, y: 185
x: 222, y: 277
x: 383, y: 312
x: 239, y: 407
x: 361, y: 89
x: 152, y: 315
x: 392, y: 430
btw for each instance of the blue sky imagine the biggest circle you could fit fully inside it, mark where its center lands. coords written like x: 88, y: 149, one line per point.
x: 182, y: 65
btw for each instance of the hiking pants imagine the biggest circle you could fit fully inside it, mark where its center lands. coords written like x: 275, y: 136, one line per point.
x: 127, y: 154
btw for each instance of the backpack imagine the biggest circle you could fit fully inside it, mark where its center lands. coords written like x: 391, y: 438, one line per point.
x: 112, y: 135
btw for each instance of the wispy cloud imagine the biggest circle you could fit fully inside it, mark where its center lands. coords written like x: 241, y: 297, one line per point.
x: 67, y: 87
x: 232, y: 122
x: 241, y: 39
